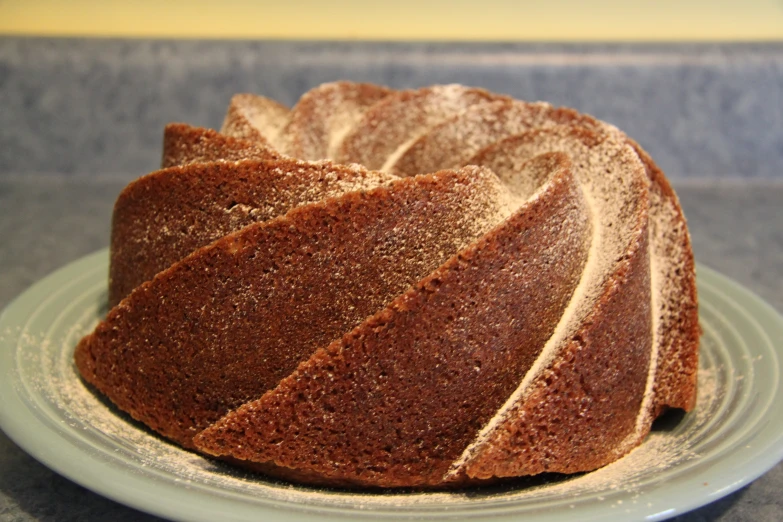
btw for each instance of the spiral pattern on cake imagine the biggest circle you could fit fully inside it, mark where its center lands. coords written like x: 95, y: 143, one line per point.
x: 420, y: 288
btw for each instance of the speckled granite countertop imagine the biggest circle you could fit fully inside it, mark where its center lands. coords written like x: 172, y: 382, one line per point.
x: 82, y: 118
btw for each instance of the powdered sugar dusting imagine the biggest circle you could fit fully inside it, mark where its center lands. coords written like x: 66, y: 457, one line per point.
x: 254, y: 118
x: 404, y: 116
x: 323, y: 116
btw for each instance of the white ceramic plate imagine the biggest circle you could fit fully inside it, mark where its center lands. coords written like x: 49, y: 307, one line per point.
x: 733, y: 436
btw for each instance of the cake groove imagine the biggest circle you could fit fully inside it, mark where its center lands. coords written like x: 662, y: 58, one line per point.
x: 510, y: 445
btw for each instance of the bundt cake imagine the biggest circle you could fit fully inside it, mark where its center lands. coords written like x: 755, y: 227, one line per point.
x: 378, y: 288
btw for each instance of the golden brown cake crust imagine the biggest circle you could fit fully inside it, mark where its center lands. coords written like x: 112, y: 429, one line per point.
x: 228, y: 322
x: 362, y: 412
x: 184, y: 144
x: 164, y: 216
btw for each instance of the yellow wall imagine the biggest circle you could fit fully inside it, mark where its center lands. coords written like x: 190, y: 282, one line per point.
x: 561, y: 20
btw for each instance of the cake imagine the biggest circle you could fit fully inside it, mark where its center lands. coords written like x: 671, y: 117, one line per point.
x: 425, y: 288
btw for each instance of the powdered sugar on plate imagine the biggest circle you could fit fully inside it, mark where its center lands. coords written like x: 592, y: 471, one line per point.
x: 51, y: 375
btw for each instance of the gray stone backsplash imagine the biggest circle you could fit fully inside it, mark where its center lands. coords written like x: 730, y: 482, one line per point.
x: 96, y: 107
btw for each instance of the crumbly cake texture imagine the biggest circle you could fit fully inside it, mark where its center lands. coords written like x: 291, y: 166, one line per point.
x: 428, y: 288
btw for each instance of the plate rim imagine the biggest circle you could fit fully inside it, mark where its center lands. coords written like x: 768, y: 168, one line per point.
x: 98, y: 474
